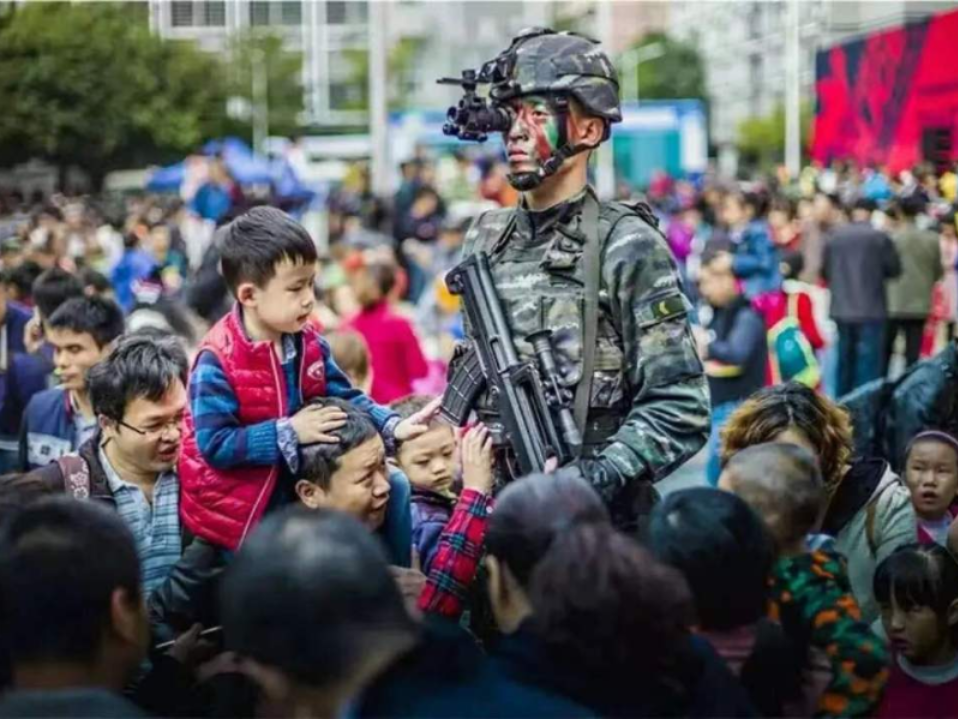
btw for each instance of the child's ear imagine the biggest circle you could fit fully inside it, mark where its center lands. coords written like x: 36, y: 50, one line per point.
x: 310, y: 494
x: 246, y: 294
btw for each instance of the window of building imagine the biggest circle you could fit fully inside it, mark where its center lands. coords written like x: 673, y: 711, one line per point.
x: 344, y: 12
x: 346, y: 96
x: 291, y: 13
x: 181, y: 14
x: 198, y: 14
x: 259, y: 13
x: 214, y: 13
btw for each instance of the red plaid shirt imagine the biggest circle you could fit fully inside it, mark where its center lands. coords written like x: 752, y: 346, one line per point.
x: 457, y: 556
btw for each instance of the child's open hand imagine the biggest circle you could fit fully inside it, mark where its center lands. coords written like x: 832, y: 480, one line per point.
x: 477, y: 459
x: 418, y: 424
x: 314, y: 423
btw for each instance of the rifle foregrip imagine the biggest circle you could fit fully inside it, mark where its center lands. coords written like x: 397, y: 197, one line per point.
x: 466, y: 381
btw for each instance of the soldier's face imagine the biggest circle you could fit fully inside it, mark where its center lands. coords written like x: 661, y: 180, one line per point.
x: 534, y: 136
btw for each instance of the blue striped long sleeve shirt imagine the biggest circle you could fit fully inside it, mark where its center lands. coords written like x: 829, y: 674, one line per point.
x: 226, y: 443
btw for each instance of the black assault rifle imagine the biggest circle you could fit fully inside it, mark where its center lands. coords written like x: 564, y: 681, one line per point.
x: 530, y: 398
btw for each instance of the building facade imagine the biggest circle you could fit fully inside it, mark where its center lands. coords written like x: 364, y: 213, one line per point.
x: 439, y: 38
x: 324, y: 31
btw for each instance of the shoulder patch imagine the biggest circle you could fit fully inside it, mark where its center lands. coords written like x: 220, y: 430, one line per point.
x: 668, y: 307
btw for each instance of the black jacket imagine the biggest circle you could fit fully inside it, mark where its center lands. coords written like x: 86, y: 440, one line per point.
x: 740, y: 342
x: 701, y: 686
x: 857, y: 261
x: 98, y: 703
x: 887, y: 414
x: 448, y: 676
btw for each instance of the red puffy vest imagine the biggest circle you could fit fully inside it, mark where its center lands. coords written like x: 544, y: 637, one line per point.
x: 223, y: 505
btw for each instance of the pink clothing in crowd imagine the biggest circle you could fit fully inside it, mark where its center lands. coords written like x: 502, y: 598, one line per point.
x: 394, y: 352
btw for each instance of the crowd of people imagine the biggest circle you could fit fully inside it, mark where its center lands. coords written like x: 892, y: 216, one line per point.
x: 227, y: 491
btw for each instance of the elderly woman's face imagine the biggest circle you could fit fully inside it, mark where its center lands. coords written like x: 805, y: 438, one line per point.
x: 795, y: 436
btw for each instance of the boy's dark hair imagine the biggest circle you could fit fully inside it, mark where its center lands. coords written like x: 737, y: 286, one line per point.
x: 350, y: 353
x: 408, y: 406
x: 781, y: 481
x: 60, y: 562
x: 256, y: 242
x: 918, y: 575
x: 100, y: 318
x: 332, y: 601
x: 139, y: 366
x: 53, y: 288
x: 95, y: 280
x: 865, y: 205
x: 22, y: 277
x: 723, y: 549
x: 321, y: 460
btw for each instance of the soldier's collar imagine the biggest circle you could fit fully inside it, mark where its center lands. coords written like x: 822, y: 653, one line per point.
x: 561, y: 216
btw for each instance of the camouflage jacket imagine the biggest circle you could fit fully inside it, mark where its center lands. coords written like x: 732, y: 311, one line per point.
x: 812, y: 598
x: 649, y: 408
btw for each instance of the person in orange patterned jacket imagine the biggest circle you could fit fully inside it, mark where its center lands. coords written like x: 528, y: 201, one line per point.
x: 847, y: 664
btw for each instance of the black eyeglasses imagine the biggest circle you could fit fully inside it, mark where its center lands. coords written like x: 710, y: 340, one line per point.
x: 157, y: 432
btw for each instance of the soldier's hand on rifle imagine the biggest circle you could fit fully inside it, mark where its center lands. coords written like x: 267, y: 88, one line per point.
x: 314, y: 423
x: 477, y: 459
x: 418, y: 424
x: 600, y: 473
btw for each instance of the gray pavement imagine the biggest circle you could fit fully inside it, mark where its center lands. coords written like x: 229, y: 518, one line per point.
x: 690, y: 474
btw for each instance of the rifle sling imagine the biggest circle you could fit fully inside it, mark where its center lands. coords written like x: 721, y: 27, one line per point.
x: 591, y: 260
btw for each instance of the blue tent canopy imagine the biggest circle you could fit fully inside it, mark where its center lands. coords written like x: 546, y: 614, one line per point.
x: 167, y: 179
x: 243, y: 164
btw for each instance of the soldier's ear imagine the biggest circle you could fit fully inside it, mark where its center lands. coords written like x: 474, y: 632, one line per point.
x: 593, y: 131
x: 587, y: 130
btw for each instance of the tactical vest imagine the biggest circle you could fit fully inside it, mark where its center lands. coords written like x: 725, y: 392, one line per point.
x: 541, y: 285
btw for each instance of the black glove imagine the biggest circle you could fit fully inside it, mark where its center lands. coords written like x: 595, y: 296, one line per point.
x: 600, y: 473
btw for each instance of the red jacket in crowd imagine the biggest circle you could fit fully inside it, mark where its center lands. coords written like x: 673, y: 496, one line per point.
x: 394, y: 352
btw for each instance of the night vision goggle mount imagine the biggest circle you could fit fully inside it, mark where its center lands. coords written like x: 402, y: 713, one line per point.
x: 474, y: 118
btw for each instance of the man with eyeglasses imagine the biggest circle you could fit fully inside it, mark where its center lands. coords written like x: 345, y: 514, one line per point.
x: 139, y: 397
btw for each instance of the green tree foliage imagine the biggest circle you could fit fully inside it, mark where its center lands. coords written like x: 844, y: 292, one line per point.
x: 87, y: 84
x: 400, y: 60
x: 761, y: 140
x: 678, y: 74
x: 283, y: 71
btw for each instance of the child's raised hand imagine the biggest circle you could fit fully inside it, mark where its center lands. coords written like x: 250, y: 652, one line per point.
x: 313, y: 424
x: 477, y: 459
x: 418, y: 424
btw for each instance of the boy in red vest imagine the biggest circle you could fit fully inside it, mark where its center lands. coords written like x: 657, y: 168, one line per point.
x: 253, y: 376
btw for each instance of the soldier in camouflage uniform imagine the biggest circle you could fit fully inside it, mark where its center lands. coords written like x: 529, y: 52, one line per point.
x: 648, y: 408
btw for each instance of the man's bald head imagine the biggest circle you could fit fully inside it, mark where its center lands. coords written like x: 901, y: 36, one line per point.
x: 783, y: 484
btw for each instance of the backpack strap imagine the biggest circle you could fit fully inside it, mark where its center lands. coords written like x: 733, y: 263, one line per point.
x: 591, y: 266
x: 76, y: 475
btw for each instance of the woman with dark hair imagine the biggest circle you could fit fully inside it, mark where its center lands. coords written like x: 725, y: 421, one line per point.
x: 868, y: 511
x: 590, y: 614
x: 724, y: 552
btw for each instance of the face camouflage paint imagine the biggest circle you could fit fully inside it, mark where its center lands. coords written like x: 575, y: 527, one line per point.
x: 542, y: 126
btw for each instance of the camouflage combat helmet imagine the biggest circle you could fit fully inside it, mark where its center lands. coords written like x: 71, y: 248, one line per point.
x: 544, y: 62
